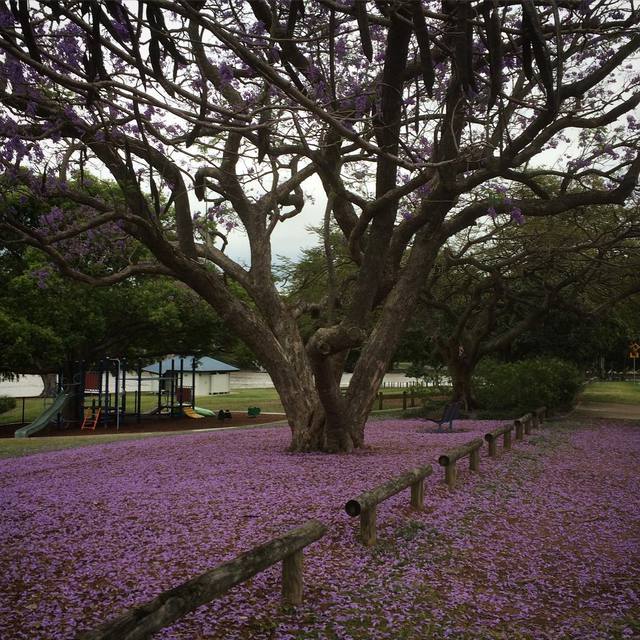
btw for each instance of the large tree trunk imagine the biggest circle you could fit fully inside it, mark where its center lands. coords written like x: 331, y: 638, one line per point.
x: 461, y: 371
x: 49, y: 385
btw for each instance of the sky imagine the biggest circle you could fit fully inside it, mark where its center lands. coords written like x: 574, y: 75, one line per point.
x: 290, y: 237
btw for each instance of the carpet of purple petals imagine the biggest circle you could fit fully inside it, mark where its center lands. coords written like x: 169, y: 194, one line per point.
x: 543, y: 544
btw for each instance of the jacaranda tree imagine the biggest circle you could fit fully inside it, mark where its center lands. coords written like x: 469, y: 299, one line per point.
x: 402, y: 110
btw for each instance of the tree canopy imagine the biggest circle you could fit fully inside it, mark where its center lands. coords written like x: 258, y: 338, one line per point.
x: 406, y: 112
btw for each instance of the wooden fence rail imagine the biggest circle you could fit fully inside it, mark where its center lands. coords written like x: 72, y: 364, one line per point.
x: 365, y: 504
x: 143, y: 621
x: 408, y: 398
x: 448, y: 460
x: 492, y: 439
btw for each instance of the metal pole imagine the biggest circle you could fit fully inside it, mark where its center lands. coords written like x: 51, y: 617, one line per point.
x: 193, y: 382
x: 123, y: 403
x: 139, y: 399
x: 173, y: 386
x: 181, y: 381
x: 159, y: 387
x: 117, y: 394
x: 107, y: 395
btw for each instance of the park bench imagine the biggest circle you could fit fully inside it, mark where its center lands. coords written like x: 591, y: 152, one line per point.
x: 450, y: 413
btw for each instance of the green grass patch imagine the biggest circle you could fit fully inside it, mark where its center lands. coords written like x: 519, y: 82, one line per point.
x: 14, y: 447
x: 614, y: 392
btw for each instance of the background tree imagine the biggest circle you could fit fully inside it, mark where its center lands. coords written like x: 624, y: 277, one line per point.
x: 402, y: 109
x: 49, y: 323
x: 502, y: 284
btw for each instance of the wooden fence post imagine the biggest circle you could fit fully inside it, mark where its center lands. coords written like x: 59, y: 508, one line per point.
x: 449, y: 458
x: 413, y: 397
x: 493, y: 447
x: 527, y: 425
x: 519, y: 429
x: 417, y: 495
x: 450, y: 475
x: 292, y: 578
x: 380, y: 396
x: 474, y: 460
x: 368, y: 526
x: 506, y: 440
x: 404, y: 400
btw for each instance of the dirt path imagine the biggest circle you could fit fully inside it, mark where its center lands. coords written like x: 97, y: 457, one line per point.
x: 617, y: 411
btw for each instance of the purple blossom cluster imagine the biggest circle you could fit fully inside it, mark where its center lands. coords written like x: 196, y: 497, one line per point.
x: 542, y: 544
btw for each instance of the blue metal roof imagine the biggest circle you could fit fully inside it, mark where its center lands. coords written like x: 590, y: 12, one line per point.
x: 203, y: 365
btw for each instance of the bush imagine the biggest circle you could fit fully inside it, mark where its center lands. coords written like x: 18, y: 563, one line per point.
x: 7, y: 403
x: 523, y: 386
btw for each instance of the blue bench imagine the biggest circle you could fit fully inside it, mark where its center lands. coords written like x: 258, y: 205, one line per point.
x: 450, y: 413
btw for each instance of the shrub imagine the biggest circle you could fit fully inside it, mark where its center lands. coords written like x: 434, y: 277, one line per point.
x: 523, y: 386
x: 7, y: 403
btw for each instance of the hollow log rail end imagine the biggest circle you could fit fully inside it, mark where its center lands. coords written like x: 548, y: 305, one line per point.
x: 143, y: 621
x: 365, y: 504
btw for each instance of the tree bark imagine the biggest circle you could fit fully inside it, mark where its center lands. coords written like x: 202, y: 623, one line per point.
x: 49, y: 385
x: 461, y: 372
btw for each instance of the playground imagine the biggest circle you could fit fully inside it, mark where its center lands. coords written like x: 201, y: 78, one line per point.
x: 109, y: 400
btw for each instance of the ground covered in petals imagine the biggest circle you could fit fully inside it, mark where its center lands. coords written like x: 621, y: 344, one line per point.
x: 544, y: 543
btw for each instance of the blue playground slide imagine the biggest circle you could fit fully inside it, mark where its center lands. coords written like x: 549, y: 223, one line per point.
x: 47, y: 416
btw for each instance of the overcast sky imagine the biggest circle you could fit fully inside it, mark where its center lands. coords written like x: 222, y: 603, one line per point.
x: 291, y: 236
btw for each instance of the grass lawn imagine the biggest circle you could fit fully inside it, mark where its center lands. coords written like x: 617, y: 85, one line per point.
x: 15, y: 447
x: 622, y: 392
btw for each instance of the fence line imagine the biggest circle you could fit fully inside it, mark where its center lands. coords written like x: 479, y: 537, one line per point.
x: 144, y: 620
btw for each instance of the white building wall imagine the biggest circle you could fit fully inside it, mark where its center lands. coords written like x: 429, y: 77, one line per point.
x: 220, y: 383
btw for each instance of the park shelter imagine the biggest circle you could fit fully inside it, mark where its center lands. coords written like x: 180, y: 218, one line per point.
x: 211, y: 376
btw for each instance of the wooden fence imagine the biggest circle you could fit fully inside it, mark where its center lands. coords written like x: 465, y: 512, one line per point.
x: 448, y: 460
x: 492, y: 439
x: 408, y: 399
x: 144, y: 620
x: 365, y: 504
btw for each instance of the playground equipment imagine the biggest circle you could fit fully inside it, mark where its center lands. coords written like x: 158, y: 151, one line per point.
x: 101, y: 396
x: 91, y: 417
x: 48, y: 415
